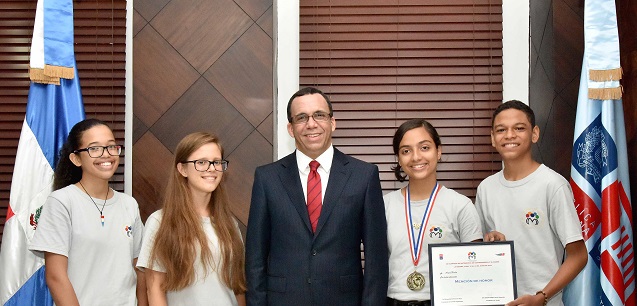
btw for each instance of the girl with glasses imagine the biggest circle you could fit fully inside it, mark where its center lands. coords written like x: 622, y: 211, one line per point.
x: 89, y: 233
x: 192, y: 252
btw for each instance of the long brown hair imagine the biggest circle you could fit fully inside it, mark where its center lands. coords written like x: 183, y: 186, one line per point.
x: 180, y: 233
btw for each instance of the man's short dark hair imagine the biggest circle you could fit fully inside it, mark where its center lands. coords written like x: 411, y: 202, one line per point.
x: 308, y: 91
x: 514, y: 104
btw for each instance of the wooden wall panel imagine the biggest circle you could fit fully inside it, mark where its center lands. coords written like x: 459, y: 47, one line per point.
x: 202, y: 66
x: 246, y: 63
x: 554, y: 82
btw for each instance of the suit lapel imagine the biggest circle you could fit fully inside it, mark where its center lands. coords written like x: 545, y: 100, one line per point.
x: 339, y: 174
x: 291, y: 181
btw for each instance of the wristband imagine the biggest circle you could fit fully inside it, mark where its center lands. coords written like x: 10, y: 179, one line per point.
x: 546, y: 300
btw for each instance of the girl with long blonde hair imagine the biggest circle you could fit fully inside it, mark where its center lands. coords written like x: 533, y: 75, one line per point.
x: 192, y: 252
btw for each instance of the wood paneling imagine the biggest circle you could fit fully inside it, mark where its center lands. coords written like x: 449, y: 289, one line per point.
x: 266, y: 22
x: 255, y: 8
x: 385, y: 62
x: 184, y: 40
x: 201, y: 30
x: 138, y: 22
x: 246, y: 62
x: 162, y: 75
x: 152, y: 164
x: 202, y: 108
x: 149, y: 8
x: 254, y: 151
x: 266, y: 128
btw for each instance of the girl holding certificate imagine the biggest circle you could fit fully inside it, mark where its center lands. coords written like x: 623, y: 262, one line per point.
x: 420, y: 213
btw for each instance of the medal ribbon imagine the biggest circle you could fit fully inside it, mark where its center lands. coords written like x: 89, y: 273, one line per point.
x: 416, y: 243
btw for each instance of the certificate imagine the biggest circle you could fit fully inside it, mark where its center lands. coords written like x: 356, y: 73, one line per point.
x: 476, y: 273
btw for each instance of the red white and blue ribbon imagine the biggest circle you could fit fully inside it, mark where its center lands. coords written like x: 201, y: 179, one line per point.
x: 416, y: 242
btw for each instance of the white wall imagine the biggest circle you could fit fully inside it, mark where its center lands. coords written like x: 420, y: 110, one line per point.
x: 286, y: 70
x: 128, y: 125
x: 515, y: 50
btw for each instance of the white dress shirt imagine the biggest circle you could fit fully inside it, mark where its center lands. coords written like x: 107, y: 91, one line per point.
x: 325, y: 161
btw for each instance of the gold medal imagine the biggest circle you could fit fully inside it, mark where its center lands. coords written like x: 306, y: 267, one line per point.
x: 415, y: 281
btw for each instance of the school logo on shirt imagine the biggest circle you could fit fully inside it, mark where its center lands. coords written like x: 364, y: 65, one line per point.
x: 129, y: 230
x: 435, y: 232
x: 472, y: 256
x: 33, y: 219
x: 532, y: 218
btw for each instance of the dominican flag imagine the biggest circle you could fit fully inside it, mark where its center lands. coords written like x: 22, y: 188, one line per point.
x: 599, y: 169
x: 51, y: 112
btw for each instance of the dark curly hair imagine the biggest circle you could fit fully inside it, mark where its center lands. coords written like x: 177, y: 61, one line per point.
x: 67, y: 173
x: 400, y: 133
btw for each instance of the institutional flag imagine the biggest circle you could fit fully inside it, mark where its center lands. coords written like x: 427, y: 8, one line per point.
x: 51, y: 112
x: 599, y: 169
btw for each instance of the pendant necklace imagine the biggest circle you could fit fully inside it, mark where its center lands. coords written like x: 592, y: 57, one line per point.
x: 415, y: 280
x: 103, y: 205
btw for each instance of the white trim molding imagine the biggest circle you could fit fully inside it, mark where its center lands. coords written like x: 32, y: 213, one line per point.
x: 128, y: 125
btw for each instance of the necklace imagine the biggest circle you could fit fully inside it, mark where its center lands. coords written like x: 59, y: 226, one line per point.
x: 103, y: 205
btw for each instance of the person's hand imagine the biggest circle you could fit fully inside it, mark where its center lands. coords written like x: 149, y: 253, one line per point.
x: 528, y: 300
x: 494, y: 236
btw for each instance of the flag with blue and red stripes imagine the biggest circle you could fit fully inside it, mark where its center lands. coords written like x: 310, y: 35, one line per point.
x: 54, y: 105
x: 599, y: 169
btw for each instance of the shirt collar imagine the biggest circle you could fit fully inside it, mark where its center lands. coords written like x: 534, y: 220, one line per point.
x: 325, y: 159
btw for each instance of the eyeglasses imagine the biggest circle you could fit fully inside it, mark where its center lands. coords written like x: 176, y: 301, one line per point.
x: 98, y: 151
x: 318, y: 116
x: 203, y: 165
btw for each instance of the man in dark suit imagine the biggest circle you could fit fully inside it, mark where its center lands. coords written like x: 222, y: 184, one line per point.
x: 307, y: 220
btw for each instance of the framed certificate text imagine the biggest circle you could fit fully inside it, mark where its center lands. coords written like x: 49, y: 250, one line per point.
x: 475, y: 273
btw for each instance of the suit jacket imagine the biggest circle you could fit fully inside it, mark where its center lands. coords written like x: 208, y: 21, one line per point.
x: 287, y: 264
